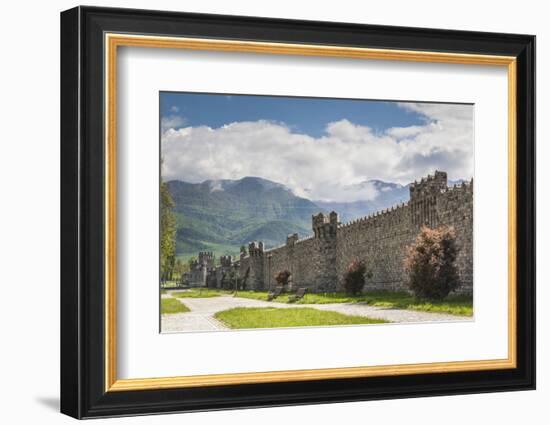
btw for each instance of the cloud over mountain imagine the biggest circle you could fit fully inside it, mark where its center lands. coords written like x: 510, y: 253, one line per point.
x: 332, y: 167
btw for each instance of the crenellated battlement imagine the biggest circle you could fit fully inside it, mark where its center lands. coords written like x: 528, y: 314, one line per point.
x: 428, y: 186
x: 226, y: 260
x: 292, y: 239
x: 460, y: 187
x: 206, y: 257
x: 307, y: 238
x: 324, y: 226
x: 256, y: 249
x: 376, y: 217
x: 319, y: 262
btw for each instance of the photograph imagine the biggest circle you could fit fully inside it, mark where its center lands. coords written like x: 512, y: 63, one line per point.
x: 285, y: 212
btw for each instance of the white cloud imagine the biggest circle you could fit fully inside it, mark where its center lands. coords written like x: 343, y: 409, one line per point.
x: 216, y: 186
x: 405, y: 132
x: 331, y: 167
x: 172, y: 122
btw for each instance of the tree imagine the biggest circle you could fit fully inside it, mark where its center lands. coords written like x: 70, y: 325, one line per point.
x: 430, y: 263
x: 354, y: 279
x: 167, y: 233
x: 179, y: 268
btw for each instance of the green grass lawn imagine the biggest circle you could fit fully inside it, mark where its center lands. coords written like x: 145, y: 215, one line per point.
x: 247, y: 318
x: 454, y: 304
x: 199, y: 293
x: 171, y: 306
x: 459, y: 305
x: 259, y: 295
x: 170, y: 284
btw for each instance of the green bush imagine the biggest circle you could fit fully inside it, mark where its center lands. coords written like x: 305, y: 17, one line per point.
x: 430, y: 263
x: 354, y: 279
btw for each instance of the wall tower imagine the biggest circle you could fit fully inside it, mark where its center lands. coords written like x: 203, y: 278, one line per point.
x: 256, y: 264
x: 423, y: 199
x: 324, y: 232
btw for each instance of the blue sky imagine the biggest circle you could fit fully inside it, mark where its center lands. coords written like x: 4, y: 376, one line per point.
x: 322, y: 149
x: 302, y: 115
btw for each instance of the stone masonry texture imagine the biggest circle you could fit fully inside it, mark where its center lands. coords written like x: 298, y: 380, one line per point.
x: 319, y: 262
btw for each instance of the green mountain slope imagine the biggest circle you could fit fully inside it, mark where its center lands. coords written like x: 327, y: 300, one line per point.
x: 222, y: 215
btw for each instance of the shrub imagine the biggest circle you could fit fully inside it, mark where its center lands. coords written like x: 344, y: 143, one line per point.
x: 430, y: 263
x: 282, y: 278
x: 354, y: 279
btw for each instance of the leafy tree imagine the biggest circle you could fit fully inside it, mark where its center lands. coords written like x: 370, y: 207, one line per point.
x: 354, y: 279
x: 243, y: 249
x: 430, y: 263
x: 167, y: 233
x: 179, y: 268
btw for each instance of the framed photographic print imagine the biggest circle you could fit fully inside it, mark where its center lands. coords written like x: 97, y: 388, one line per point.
x: 261, y: 212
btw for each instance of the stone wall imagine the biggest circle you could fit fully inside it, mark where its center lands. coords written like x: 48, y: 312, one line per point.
x: 382, y: 238
x: 319, y: 262
x: 380, y: 241
x: 304, y: 259
x: 455, y: 208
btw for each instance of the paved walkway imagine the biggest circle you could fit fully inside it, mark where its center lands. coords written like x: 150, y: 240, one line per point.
x: 201, y: 317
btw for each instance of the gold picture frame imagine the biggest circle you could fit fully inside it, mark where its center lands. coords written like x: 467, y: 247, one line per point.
x: 114, y: 41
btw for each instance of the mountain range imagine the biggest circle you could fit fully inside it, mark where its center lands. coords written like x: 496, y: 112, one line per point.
x: 223, y: 215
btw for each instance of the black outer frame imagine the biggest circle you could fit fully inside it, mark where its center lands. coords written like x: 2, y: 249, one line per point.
x: 82, y: 212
